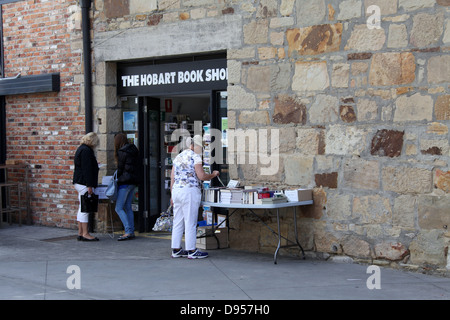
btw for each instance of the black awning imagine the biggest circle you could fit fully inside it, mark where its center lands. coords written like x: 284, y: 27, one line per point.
x: 30, y: 84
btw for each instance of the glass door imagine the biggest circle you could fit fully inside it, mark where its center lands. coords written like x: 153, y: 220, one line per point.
x: 220, y: 121
x: 150, y: 146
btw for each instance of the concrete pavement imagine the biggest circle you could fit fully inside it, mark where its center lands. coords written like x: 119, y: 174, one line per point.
x: 44, y: 263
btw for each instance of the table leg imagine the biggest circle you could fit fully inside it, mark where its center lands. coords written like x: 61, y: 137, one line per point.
x: 296, y: 232
x: 279, y: 238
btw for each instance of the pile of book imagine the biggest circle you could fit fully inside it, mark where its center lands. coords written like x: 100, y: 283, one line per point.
x: 254, y: 195
x: 228, y: 195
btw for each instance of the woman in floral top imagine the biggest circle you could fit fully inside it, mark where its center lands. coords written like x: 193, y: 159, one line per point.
x: 187, y: 172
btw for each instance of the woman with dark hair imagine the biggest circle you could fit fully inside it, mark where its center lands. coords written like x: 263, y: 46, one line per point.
x: 128, y: 177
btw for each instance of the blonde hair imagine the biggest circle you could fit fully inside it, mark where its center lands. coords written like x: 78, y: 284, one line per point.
x: 90, y: 139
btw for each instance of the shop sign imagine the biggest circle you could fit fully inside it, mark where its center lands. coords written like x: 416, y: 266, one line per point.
x: 175, y: 77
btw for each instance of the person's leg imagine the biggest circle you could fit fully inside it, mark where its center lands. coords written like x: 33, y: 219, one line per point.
x: 120, y: 203
x: 193, y: 200
x: 178, y: 218
x: 82, y: 217
x: 129, y: 210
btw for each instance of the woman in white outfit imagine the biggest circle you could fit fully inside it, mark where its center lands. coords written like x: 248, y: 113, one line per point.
x: 187, y: 171
x: 85, y: 179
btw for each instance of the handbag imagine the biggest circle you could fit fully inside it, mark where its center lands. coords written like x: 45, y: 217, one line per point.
x: 165, y: 221
x: 89, y: 202
x: 112, y: 188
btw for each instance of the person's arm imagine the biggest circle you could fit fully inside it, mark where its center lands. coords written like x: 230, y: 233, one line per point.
x: 202, y: 175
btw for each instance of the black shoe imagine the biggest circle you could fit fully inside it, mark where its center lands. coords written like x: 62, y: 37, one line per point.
x: 79, y: 238
x: 87, y: 239
x: 128, y: 237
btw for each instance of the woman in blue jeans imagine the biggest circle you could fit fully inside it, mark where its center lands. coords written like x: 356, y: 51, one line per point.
x: 128, y: 177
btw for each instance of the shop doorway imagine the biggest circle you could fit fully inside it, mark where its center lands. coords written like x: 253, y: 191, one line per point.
x: 159, y: 97
x: 163, y: 121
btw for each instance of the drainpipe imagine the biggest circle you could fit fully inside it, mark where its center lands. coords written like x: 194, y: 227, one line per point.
x: 85, y: 7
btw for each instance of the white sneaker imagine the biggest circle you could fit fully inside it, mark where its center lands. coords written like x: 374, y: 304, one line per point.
x: 197, y: 254
x: 179, y: 254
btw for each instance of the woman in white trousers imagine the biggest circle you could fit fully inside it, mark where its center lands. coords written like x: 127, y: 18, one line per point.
x: 187, y: 171
x: 85, y: 179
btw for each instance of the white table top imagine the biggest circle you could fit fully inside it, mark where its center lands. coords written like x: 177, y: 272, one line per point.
x: 257, y: 206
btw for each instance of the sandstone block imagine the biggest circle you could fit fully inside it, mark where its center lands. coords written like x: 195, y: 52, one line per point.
x: 361, y: 174
x: 325, y: 241
x: 404, y: 211
x: 281, y: 22
x: 327, y: 180
x: 365, y: 39
x: 434, y: 146
x: 387, y: 143
x: 281, y: 77
x: 340, y: 74
x: 349, y: 9
x: 387, y: 6
x: 414, y: 108
x: 427, y: 29
x: 437, y: 128
x: 355, y: 247
x: 140, y: 6
x: 442, y: 180
x: 438, y: 69
x: 446, y: 38
x: 392, y: 68
x: 115, y: 9
x: 267, y: 8
x: 398, y: 36
x: 286, y: 7
x: 258, y: 78
x: 234, y: 71
x: 347, y: 114
x: 289, y: 110
x: 410, y: 5
x: 367, y: 110
x: 315, y: 39
x: 298, y: 170
x: 390, y: 250
x: 238, y: 98
x: 433, y: 212
x: 254, y: 117
x: 404, y: 180
x: 324, y: 110
x: 372, y: 209
x: 309, y: 141
x: 310, y: 76
x: 338, y: 207
x: 344, y: 140
x: 428, y: 248
x: 310, y: 12
x: 256, y: 32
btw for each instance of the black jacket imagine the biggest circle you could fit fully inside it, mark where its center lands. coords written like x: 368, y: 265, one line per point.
x: 128, y: 167
x: 86, y: 167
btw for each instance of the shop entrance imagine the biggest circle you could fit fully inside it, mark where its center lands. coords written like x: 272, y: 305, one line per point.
x: 166, y: 121
x: 160, y: 99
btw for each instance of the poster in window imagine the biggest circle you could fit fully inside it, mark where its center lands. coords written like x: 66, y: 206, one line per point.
x: 130, y: 121
x: 224, y: 132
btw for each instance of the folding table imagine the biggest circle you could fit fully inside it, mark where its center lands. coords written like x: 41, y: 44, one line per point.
x: 277, y: 206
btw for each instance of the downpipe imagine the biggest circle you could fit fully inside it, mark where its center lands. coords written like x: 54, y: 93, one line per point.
x: 85, y: 8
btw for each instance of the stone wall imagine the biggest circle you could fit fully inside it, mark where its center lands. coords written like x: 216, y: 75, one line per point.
x: 363, y: 112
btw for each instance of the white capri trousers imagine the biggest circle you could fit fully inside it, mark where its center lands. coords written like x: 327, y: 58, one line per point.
x: 81, y: 216
x: 186, y: 202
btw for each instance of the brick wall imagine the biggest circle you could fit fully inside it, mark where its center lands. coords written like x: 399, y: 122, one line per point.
x: 44, y: 129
